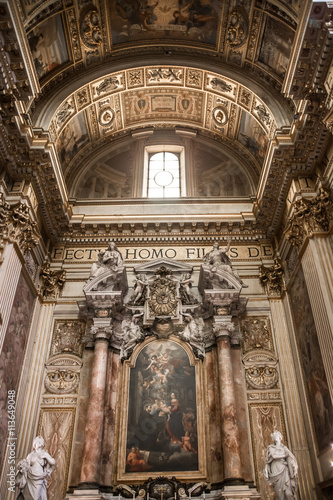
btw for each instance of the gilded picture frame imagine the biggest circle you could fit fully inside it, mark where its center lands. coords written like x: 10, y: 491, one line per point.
x: 160, y: 436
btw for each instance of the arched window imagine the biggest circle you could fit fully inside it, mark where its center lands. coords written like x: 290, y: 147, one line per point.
x: 164, y: 180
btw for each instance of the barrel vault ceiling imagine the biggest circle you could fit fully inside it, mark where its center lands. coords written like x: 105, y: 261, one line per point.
x: 81, y: 78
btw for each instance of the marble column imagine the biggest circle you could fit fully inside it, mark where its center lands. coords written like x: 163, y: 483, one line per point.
x: 230, y: 431
x: 91, y: 463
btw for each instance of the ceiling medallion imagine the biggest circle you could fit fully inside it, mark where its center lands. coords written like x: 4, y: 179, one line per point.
x: 220, y: 116
x: 90, y: 28
x: 106, y: 117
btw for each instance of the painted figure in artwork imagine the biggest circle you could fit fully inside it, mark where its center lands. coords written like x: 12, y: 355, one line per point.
x: 33, y: 471
x: 162, y: 433
x: 281, y: 469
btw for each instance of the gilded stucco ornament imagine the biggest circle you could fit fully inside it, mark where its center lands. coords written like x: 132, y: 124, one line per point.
x: 309, y: 216
x: 272, y: 278
x: 261, y: 377
x: 62, y: 381
x: 90, y: 28
x: 238, y: 29
x: 51, y: 282
x: 163, y: 294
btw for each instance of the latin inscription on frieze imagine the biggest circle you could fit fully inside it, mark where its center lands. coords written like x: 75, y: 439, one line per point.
x: 137, y: 254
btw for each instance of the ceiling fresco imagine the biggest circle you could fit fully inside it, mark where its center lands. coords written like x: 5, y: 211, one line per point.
x: 89, y: 74
x: 149, y: 21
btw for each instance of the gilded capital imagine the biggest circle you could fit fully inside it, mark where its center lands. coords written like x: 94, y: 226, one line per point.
x: 51, y: 282
x: 272, y: 278
x: 309, y: 217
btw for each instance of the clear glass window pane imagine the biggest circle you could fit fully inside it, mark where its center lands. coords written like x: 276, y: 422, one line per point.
x: 163, y: 175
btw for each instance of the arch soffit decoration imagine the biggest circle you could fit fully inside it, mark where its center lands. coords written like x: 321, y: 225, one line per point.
x: 153, y: 96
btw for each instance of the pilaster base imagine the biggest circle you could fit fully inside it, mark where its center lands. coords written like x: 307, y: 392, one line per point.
x: 239, y: 492
x: 85, y: 495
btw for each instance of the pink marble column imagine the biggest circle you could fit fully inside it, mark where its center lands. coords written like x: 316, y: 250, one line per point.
x: 91, y: 463
x: 108, y: 451
x: 230, y: 432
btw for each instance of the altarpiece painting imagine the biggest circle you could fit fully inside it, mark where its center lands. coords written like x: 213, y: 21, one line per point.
x: 162, y: 421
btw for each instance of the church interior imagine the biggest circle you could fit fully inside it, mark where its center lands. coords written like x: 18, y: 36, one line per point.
x: 166, y: 257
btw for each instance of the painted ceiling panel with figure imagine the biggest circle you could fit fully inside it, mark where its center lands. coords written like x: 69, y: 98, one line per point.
x: 187, y: 21
x: 48, y: 45
x: 276, y: 46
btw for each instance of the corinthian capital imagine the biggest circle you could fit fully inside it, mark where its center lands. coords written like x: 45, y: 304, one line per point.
x: 272, y: 278
x: 16, y: 225
x: 51, y: 281
x: 308, y: 217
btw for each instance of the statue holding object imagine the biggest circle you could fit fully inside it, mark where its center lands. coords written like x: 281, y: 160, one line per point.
x: 281, y: 469
x: 33, y: 471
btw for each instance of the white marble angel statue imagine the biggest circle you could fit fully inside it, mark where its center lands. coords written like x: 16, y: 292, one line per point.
x: 33, y: 471
x: 132, y: 335
x: 281, y: 469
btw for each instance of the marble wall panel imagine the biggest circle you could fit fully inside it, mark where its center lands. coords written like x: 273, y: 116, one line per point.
x: 240, y: 395
x: 56, y: 426
x: 84, y: 391
x: 264, y: 419
x: 12, y: 354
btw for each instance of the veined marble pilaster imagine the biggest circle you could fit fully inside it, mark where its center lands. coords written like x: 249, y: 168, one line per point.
x: 317, y: 264
x: 294, y: 416
x: 9, y: 275
x: 28, y: 394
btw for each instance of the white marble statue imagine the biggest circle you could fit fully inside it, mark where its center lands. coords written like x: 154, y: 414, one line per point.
x: 110, y: 259
x: 132, y: 335
x: 217, y: 259
x: 281, y: 469
x: 33, y: 471
x: 194, y: 333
